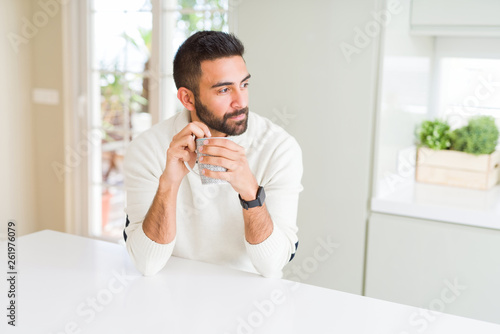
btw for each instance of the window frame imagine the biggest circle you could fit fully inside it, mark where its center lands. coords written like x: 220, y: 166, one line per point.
x: 82, y: 208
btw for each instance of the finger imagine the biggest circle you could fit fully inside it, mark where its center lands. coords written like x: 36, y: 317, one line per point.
x: 227, y: 143
x: 191, y: 143
x: 226, y: 176
x: 204, y: 127
x: 183, y: 142
x: 198, y: 129
x: 218, y: 151
x: 218, y: 161
x: 179, y: 154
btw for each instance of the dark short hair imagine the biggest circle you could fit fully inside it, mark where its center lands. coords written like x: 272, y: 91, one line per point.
x: 203, y: 45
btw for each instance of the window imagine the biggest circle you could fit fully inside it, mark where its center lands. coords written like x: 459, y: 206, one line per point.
x: 181, y: 18
x: 430, y: 75
x: 468, y: 87
x: 131, y: 46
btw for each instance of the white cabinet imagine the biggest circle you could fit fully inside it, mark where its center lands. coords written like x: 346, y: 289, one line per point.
x: 452, y: 17
x: 439, y: 266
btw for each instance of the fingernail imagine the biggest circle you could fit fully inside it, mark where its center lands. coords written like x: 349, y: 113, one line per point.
x: 200, y: 159
x: 209, y: 133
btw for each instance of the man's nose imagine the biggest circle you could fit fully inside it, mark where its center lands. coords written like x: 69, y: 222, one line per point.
x: 240, y: 99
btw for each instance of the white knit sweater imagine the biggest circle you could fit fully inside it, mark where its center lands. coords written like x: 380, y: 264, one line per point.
x: 210, y: 225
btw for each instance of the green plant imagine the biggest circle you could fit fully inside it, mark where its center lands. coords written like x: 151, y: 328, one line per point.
x: 434, y: 134
x: 480, y: 136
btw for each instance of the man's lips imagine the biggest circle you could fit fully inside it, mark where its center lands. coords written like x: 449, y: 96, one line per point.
x: 238, y: 117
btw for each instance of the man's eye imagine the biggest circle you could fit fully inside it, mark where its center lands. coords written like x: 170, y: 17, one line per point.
x: 245, y: 84
x: 224, y: 90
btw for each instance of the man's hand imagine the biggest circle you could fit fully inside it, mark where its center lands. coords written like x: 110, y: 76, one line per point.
x: 182, y: 148
x: 231, y: 156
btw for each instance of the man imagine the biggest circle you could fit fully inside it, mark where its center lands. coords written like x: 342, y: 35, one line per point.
x: 248, y: 223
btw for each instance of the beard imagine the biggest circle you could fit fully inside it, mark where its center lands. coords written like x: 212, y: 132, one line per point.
x: 224, y: 125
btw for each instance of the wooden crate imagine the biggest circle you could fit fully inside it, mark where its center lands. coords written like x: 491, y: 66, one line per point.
x: 459, y: 169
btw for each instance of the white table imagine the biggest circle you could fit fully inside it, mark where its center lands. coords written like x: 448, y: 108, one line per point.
x: 70, y: 284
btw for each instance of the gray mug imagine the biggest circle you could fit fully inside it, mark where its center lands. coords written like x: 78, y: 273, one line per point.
x: 201, y: 166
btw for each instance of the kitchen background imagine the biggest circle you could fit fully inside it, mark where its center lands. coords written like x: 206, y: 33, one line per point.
x: 351, y: 80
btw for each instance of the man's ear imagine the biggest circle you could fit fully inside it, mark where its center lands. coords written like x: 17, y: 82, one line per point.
x: 186, y: 97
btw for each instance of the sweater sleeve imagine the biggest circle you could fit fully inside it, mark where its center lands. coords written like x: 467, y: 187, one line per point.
x: 143, y: 169
x: 282, y: 184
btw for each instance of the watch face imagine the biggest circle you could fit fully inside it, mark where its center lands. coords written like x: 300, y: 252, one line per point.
x: 259, y: 201
x: 261, y: 196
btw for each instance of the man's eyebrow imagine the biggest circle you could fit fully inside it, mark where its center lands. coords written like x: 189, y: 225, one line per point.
x: 227, y: 83
x: 246, y: 78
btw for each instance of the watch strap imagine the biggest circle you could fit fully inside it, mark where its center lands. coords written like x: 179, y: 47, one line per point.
x: 258, y: 201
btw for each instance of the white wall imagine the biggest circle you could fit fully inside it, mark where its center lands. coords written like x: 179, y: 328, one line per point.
x: 47, y: 73
x: 405, y: 84
x: 293, y: 53
x: 17, y: 173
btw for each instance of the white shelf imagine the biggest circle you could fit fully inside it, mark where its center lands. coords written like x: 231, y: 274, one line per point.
x: 477, y: 208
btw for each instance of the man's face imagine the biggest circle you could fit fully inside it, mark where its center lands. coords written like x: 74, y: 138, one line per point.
x: 222, y: 103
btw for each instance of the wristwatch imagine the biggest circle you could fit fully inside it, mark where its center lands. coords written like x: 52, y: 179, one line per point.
x: 259, y: 201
